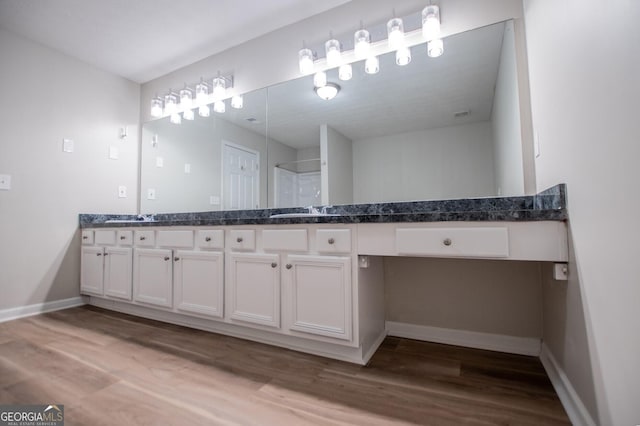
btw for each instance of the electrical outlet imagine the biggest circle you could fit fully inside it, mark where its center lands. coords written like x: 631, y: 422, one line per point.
x: 159, y: 162
x: 113, y: 152
x: 151, y: 194
x: 67, y: 145
x: 5, y: 182
x: 122, y: 191
x: 187, y: 168
x: 214, y: 200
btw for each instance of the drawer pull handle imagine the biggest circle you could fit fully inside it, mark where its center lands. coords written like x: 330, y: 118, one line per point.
x: 289, y: 266
x: 98, y: 254
x: 447, y: 241
x: 239, y: 239
x: 207, y: 239
x: 176, y: 258
x: 84, y: 237
x: 167, y: 258
x: 106, y: 254
x: 122, y: 237
x: 142, y: 238
x: 331, y: 241
x: 274, y: 265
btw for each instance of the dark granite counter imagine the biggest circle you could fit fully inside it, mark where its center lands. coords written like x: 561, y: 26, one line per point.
x: 547, y: 205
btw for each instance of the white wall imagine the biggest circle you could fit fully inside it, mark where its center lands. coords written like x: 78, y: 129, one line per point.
x: 336, y: 168
x: 505, y: 121
x: 47, y: 96
x: 449, y: 162
x: 584, y: 66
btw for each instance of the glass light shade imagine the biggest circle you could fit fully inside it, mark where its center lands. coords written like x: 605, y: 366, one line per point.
x: 186, y: 99
x: 403, y: 56
x: 431, y: 22
x: 237, y: 102
x: 435, y: 48
x: 187, y: 114
x: 175, y: 118
x: 320, y: 79
x: 328, y: 91
x: 395, y: 33
x: 156, y: 107
x: 202, y: 93
x: 219, y: 107
x: 204, y: 111
x: 362, y: 43
x: 345, y: 72
x: 305, y: 61
x: 332, y: 49
x: 170, y: 104
x: 219, y: 88
x: 372, y: 65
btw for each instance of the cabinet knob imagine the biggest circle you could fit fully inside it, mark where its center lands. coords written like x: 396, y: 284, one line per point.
x: 176, y: 258
x: 207, y: 239
x: 274, y: 265
x: 122, y: 237
x: 447, y: 241
x: 331, y: 241
x: 98, y: 254
x: 106, y: 254
x: 167, y: 258
x: 142, y: 238
x: 239, y: 239
x: 84, y: 237
x: 289, y: 266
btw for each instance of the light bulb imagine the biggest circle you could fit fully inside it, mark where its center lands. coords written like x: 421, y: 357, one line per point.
x: 237, y: 102
x: 175, y: 118
x: 305, y: 61
x: 219, y: 88
x: 156, y: 107
x: 320, y: 79
x: 219, y: 107
x: 362, y: 43
x: 186, y: 99
x: 372, y: 65
x: 204, y: 111
x: 403, y: 56
x: 187, y: 114
x: 345, y: 72
x: 435, y: 48
x: 202, y: 93
x: 327, y: 92
x: 332, y: 49
x: 170, y: 104
x: 395, y: 31
x: 431, y: 22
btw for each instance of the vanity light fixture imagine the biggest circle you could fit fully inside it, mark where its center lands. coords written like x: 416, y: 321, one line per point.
x: 170, y: 103
x: 187, y: 114
x: 395, y: 33
x: 362, y: 43
x: 219, y: 88
x: 219, y: 107
x: 237, y: 102
x: 328, y: 91
x: 345, y: 72
x: 332, y: 50
x: 431, y: 22
x: 320, y: 79
x: 435, y: 48
x: 403, y: 56
x: 203, y: 111
x: 175, y: 118
x: 156, y: 107
x: 372, y: 65
x: 202, y: 93
x: 305, y: 61
x: 186, y: 99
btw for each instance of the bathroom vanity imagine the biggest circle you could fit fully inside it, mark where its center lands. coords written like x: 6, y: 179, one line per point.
x: 312, y: 283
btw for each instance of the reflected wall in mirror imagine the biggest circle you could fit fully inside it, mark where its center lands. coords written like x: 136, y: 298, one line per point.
x: 210, y: 163
x: 438, y: 128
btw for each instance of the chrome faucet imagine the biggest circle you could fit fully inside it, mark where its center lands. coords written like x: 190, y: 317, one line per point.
x: 312, y: 210
x: 324, y: 209
x: 146, y: 217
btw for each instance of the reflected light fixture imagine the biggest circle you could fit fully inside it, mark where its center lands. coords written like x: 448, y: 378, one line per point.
x: 175, y: 118
x: 186, y: 98
x: 435, y: 48
x: 362, y: 43
x: 156, y: 107
x: 345, y: 72
x: 320, y: 79
x: 237, y: 102
x: 204, y: 111
x: 372, y: 65
x: 395, y: 33
x: 219, y: 88
x: 170, y: 103
x: 305, y: 61
x: 332, y: 50
x: 328, y: 91
x: 431, y: 22
x: 219, y: 107
x: 187, y: 114
x: 403, y: 56
x: 202, y: 93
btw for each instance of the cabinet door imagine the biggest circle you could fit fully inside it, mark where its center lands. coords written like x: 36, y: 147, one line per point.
x: 198, y: 282
x: 254, y: 288
x: 320, y: 295
x: 91, y: 275
x: 152, y: 276
x: 117, y: 272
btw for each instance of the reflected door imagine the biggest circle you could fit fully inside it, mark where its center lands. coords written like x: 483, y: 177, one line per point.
x: 240, y: 178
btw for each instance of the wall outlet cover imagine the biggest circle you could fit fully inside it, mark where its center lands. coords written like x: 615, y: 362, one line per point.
x: 151, y: 194
x: 159, y: 162
x: 67, y: 145
x: 214, y: 200
x: 187, y: 168
x: 5, y: 182
x: 122, y: 191
x: 113, y: 152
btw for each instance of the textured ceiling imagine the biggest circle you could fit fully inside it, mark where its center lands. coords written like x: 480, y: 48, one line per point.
x: 144, y: 39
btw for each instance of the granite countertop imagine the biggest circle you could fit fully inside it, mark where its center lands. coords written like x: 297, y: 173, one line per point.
x: 547, y: 205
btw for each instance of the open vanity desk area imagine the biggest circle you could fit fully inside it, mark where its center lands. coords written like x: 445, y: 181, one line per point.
x: 309, y: 282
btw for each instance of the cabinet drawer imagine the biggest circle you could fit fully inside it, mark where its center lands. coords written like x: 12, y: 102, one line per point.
x: 453, y: 242
x: 125, y: 238
x: 244, y: 239
x: 106, y: 238
x: 210, y: 239
x: 333, y: 240
x: 87, y: 237
x: 144, y: 238
x: 178, y: 239
x: 285, y: 239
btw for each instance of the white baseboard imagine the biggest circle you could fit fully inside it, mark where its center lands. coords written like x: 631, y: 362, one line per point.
x: 470, y: 339
x: 40, y: 308
x: 573, y: 405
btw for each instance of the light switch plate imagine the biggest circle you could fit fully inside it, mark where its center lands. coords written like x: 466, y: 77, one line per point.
x: 122, y: 191
x: 187, y: 168
x: 113, y: 152
x: 5, y: 182
x: 159, y: 162
x: 214, y: 200
x: 151, y: 194
x: 67, y: 145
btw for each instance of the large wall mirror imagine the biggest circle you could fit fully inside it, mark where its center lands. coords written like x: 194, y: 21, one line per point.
x: 437, y: 128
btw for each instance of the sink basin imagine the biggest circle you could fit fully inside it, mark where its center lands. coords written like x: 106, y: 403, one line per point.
x: 303, y: 214
x: 126, y: 221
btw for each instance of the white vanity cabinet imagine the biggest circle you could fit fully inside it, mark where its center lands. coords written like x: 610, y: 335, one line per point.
x: 117, y: 272
x: 153, y: 277
x: 199, y: 282
x: 92, y: 271
x: 106, y: 267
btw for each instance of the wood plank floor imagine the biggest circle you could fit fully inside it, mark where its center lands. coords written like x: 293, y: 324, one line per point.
x: 109, y: 368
